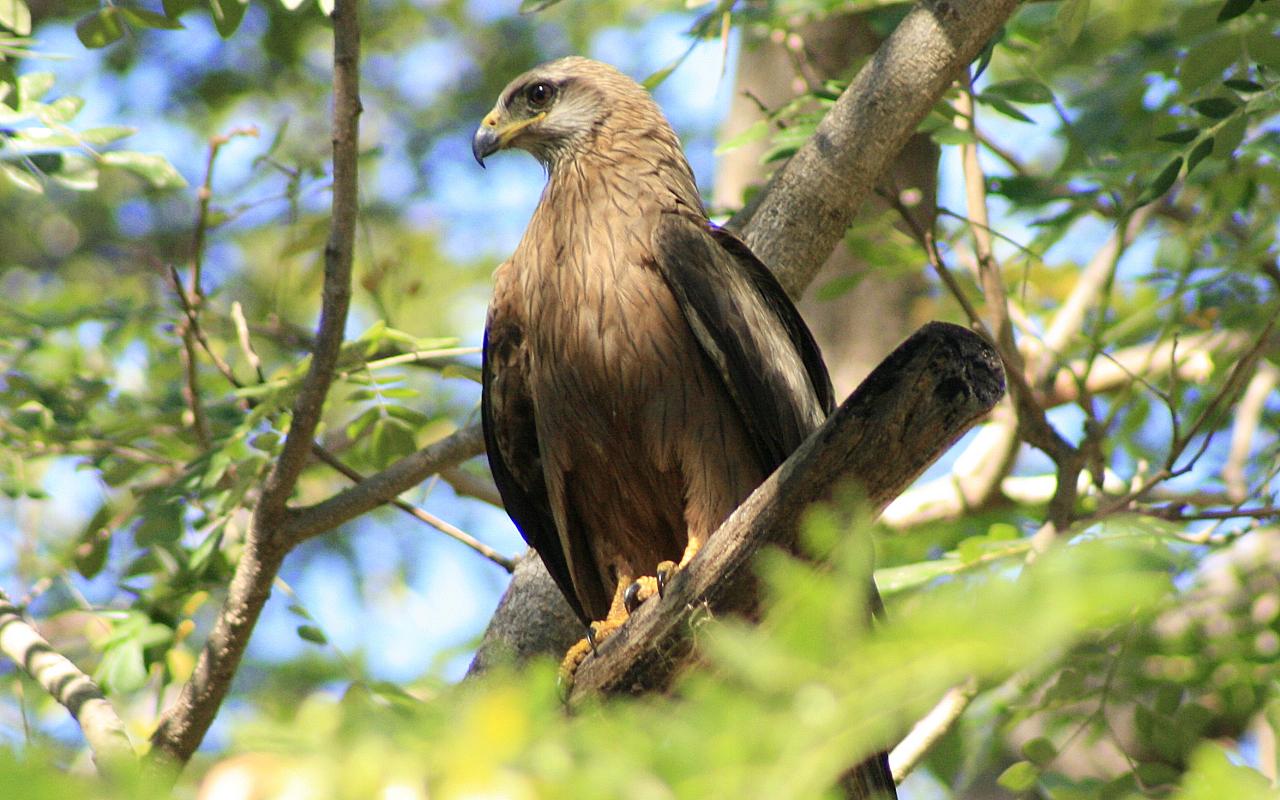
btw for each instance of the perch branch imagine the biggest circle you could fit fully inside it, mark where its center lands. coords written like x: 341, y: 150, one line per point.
x: 922, y: 398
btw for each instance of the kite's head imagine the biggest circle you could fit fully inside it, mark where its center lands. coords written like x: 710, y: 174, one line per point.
x: 553, y: 109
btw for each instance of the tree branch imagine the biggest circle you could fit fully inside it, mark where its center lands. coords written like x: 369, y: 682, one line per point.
x: 922, y: 398
x: 183, y: 727
x: 794, y: 223
x: 933, y: 726
x: 101, y: 726
x: 382, y: 487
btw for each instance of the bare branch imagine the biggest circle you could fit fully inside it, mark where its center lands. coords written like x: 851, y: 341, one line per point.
x: 794, y: 223
x: 101, y: 726
x: 903, y: 416
x: 908, y: 754
x: 183, y: 727
x: 382, y: 487
x: 419, y: 514
x: 1245, y: 426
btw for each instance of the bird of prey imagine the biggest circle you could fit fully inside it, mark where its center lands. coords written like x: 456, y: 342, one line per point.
x: 643, y: 371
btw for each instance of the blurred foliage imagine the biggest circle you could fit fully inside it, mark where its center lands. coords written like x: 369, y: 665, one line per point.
x: 152, y: 334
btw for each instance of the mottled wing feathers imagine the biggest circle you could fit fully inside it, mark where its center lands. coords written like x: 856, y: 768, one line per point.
x: 510, y: 437
x: 749, y: 331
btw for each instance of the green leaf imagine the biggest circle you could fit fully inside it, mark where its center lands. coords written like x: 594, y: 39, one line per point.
x: 1019, y: 777
x: 1070, y: 19
x: 1208, y: 61
x: 1233, y: 8
x: 461, y: 371
x: 1021, y: 90
x: 312, y: 634
x: 1214, y: 107
x: 1203, y: 148
x: 176, y: 8
x: 390, y: 441
x: 752, y: 134
x: 953, y: 135
x: 896, y: 579
x: 1163, y: 182
x: 294, y: 608
x: 15, y: 16
x: 1243, y: 85
x: 997, y: 103
x: 62, y: 110
x: 9, y: 85
x: 650, y: 83
x: 534, y: 6
x: 1155, y: 774
x: 1040, y: 751
x: 100, y: 29
x: 149, y: 19
x: 227, y: 15
x: 122, y: 669
x: 35, y: 85
x: 1184, y: 136
x: 399, y: 392
x: 161, y: 523
x: 21, y: 178
x: 106, y: 134
x: 78, y: 172
x: 838, y: 287
x: 151, y: 167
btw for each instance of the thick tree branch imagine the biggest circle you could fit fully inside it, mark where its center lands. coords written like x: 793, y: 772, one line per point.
x: 102, y: 729
x: 922, y: 398
x: 183, y: 727
x: 794, y: 223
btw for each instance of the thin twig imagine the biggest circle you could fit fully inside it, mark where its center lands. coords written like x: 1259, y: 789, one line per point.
x: 908, y: 754
x: 480, y: 547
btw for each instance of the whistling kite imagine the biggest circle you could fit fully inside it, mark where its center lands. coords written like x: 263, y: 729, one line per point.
x: 643, y: 370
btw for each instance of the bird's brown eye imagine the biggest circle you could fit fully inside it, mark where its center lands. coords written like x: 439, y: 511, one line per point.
x: 541, y: 93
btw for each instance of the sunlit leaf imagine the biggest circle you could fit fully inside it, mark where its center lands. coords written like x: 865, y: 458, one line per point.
x: 152, y: 167
x: 1019, y: 777
x: 21, y: 178
x: 15, y: 16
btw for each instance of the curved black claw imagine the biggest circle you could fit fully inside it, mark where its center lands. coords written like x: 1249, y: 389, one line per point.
x: 664, y: 572
x: 631, y: 599
x: 591, y: 636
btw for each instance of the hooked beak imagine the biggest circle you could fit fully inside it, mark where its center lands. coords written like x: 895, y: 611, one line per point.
x: 490, y: 138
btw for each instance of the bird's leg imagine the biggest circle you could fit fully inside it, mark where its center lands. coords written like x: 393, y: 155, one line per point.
x: 598, y: 631
x: 668, y: 568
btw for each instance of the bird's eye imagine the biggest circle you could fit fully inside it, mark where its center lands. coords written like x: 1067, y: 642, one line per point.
x: 540, y: 94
